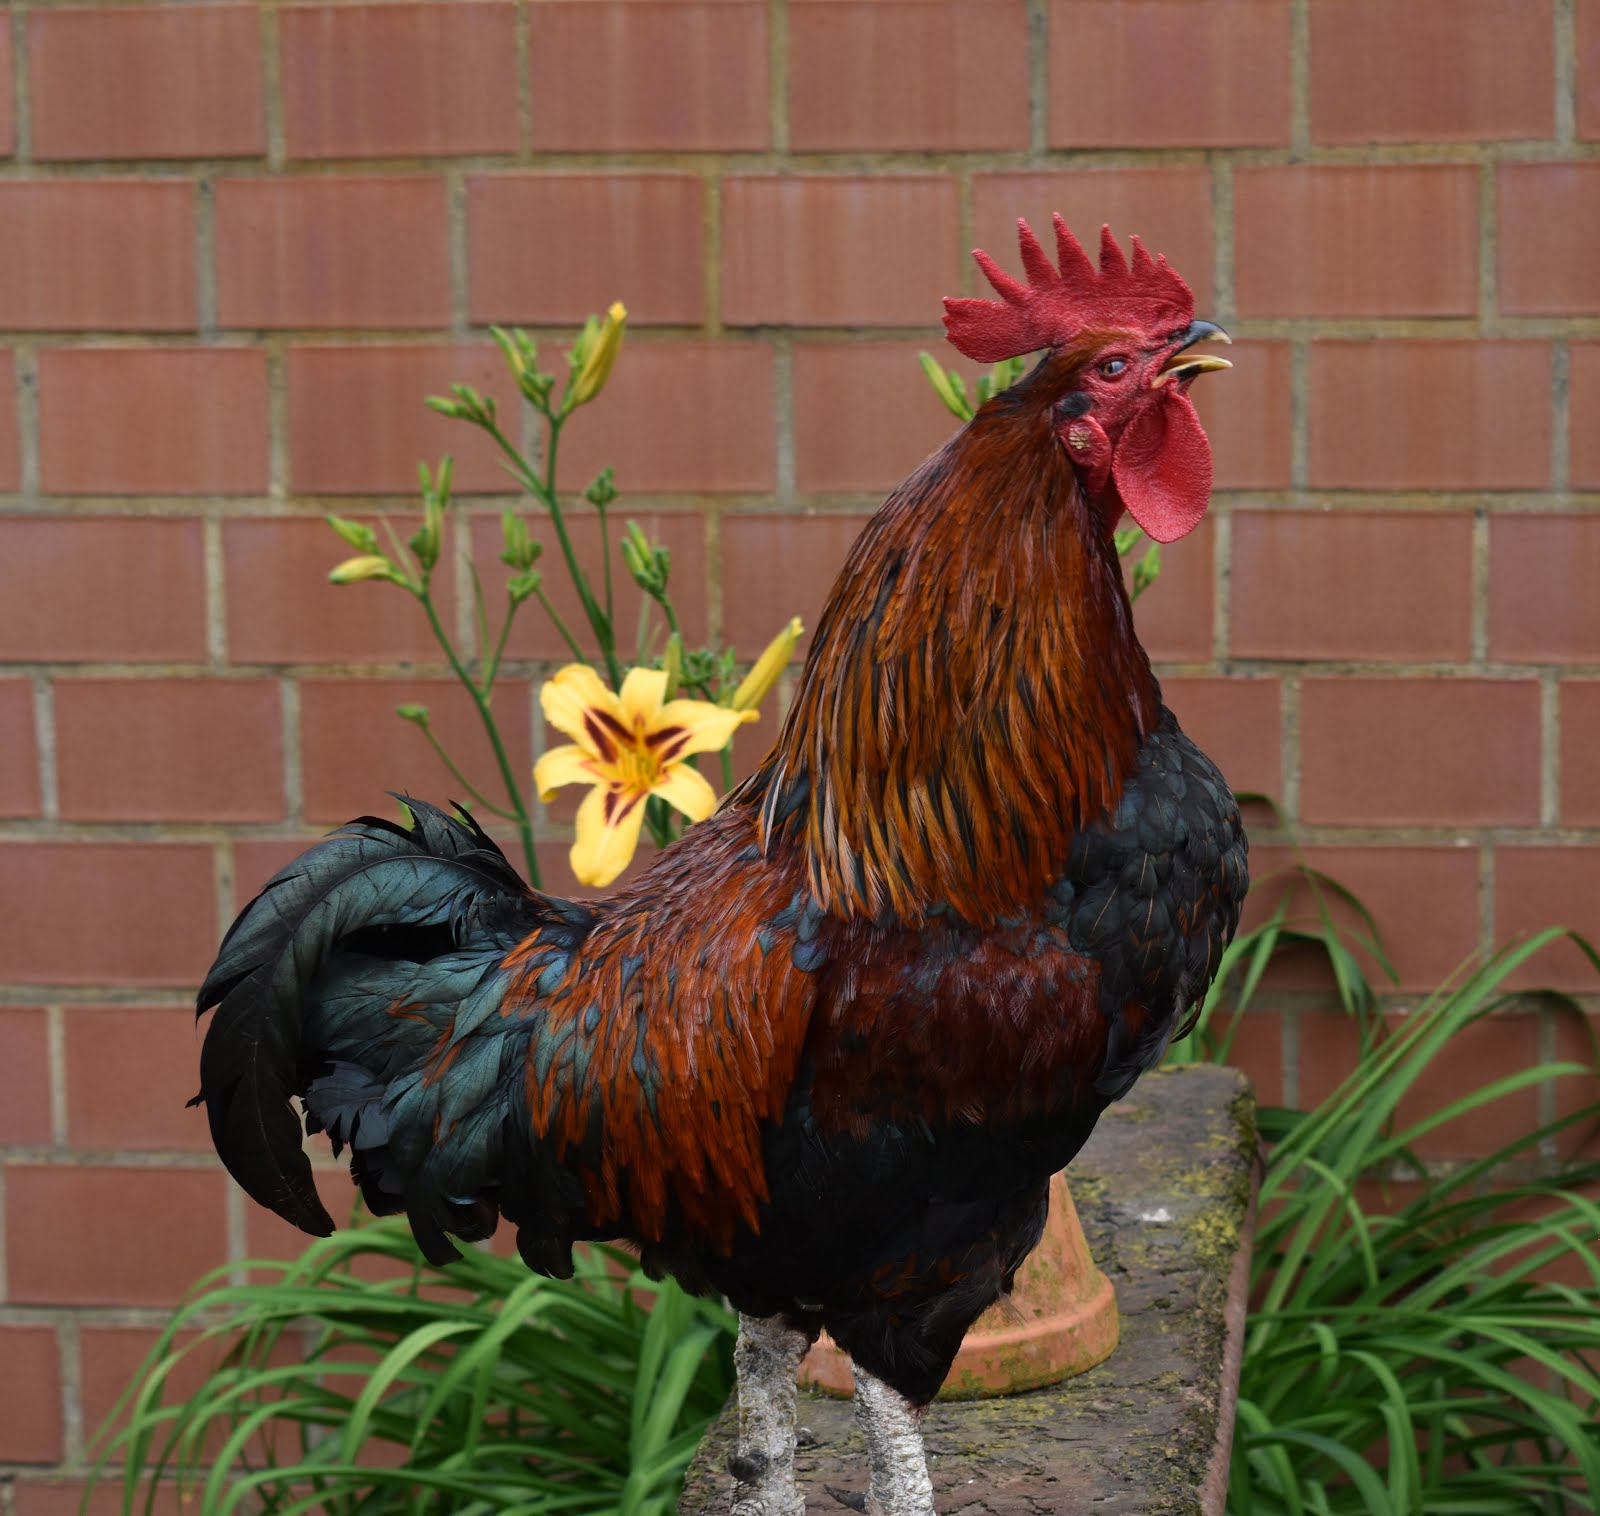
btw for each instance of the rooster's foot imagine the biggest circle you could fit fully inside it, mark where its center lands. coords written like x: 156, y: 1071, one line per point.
x: 767, y: 1357
x: 892, y: 1427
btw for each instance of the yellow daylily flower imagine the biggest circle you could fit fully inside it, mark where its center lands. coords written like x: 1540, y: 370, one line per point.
x: 628, y: 746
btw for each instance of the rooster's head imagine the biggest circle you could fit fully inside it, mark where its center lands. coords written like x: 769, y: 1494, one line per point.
x: 1114, y: 383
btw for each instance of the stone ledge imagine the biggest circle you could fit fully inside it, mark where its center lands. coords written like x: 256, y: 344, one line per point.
x: 1165, y: 1189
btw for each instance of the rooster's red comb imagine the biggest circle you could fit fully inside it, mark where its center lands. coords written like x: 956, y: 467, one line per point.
x: 1055, y: 305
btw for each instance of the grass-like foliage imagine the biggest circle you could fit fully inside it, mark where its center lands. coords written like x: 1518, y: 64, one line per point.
x: 477, y: 1389
x: 1441, y: 1355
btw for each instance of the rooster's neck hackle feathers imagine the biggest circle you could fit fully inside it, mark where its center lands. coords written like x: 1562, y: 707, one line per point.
x: 975, y: 691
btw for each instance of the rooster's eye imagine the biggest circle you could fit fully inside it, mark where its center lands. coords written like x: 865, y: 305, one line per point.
x: 1113, y: 366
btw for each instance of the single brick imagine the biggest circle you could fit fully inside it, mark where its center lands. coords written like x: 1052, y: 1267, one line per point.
x: 1356, y: 240
x: 1543, y: 272
x: 1577, y: 1035
x: 554, y: 248
x: 66, y: 1497
x: 30, y: 1394
x: 1474, y: 1056
x: 680, y: 417
x: 1542, y: 576
x: 1238, y: 723
x: 1217, y: 77
x: 1493, y: 1047
x: 169, y: 749
x: 390, y: 81
x: 282, y: 609
x: 840, y: 444
x: 88, y: 587
x: 354, y: 750
x: 152, y: 421
x: 774, y: 567
x: 682, y: 533
x: 85, y: 254
x: 1489, y: 70
x: 130, y: 1073
x: 1257, y: 1050
x: 1589, y: 68
x: 673, y: 76
x: 168, y: 1224
x: 1402, y: 414
x: 1542, y: 886
x: 1383, y: 586
x: 110, y: 1356
x: 359, y: 423
x: 257, y: 859
x: 8, y: 130
x: 1580, y: 741
x: 10, y: 448
x: 1169, y: 207
x: 838, y: 251
x: 158, y: 81
x: 107, y: 913
x: 24, y: 1076
x: 1174, y: 620
x: 1455, y: 752
x: 1424, y: 899
x: 337, y: 252
x: 917, y: 75
x: 1247, y: 416
x: 1584, y: 385
x: 19, y: 755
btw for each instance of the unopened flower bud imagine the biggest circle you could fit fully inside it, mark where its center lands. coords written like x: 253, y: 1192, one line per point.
x: 599, y: 355
x: 367, y: 566
x: 357, y: 534
x: 774, y: 659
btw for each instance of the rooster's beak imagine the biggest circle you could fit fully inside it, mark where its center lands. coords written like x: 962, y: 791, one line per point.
x: 1183, y: 369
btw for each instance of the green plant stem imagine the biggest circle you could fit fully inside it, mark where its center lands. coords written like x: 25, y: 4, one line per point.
x: 560, y: 625
x: 599, y: 621
x: 499, y: 647
x: 605, y: 558
x: 544, y: 490
x: 524, y: 822
x: 473, y: 792
x: 480, y: 616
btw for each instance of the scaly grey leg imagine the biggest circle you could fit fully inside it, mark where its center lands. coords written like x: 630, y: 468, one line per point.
x: 899, y: 1484
x: 767, y: 1357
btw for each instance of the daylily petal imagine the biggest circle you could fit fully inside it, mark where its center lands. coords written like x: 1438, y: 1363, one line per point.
x: 684, y: 787
x: 608, y: 832
x: 642, y: 693
x: 576, y: 701
x: 565, y: 765
x: 682, y: 727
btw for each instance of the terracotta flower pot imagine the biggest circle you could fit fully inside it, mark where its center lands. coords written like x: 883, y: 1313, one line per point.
x: 1060, y: 1320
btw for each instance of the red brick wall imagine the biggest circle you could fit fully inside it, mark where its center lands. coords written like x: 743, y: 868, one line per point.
x: 238, y: 242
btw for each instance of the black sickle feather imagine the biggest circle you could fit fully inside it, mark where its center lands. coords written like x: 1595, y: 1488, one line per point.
x: 371, y: 873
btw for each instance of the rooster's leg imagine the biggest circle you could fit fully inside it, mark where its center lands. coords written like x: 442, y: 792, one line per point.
x: 767, y: 1358
x: 892, y: 1427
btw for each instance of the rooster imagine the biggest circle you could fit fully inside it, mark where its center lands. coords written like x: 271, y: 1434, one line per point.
x: 823, y: 1055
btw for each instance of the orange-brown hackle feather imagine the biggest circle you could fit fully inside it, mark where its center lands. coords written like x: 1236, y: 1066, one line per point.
x: 974, y: 691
